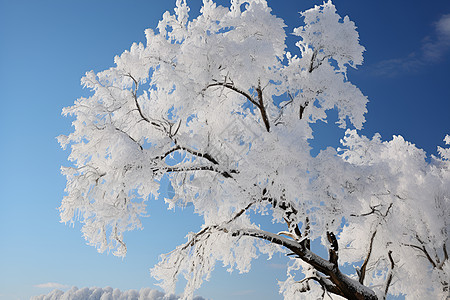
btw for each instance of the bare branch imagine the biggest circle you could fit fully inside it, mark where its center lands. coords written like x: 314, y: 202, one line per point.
x: 233, y: 88
x: 308, y: 102
x: 116, y: 237
x: 444, y: 248
x: 362, y: 272
x: 290, y: 101
x: 134, y: 93
x: 262, y: 108
x: 242, y: 211
x: 388, y: 209
x: 205, y: 155
x: 312, y: 67
x: 334, y: 248
x: 302, y: 109
x: 129, y: 136
x: 161, y: 157
x: 176, y: 131
x: 258, y: 103
x: 306, y: 241
x: 311, y: 63
x: 372, y: 211
x: 390, y: 274
x: 194, y: 240
x: 226, y: 174
x: 424, y: 251
x: 282, y: 108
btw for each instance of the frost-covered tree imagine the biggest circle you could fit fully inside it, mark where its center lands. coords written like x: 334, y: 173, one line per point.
x: 218, y: 106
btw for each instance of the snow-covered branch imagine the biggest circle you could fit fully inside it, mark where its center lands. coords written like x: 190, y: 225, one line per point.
x: 240, y: 147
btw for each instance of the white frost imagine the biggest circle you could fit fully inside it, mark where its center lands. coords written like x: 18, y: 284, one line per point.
x: 199, y: 104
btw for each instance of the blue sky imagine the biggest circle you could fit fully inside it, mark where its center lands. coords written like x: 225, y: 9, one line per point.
x: 45, y: 48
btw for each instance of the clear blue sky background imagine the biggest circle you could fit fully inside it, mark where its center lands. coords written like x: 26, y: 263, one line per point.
x: 45, y: 48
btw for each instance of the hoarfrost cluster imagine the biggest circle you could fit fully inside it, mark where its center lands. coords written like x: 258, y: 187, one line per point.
x: 199, y: 104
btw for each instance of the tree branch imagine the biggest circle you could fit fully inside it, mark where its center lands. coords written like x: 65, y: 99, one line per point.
x: 258, y: 103
x: 390, y: 274
x: 320, y: 61
x: 302, y: 110
x: 171, y: 135
x: 162, y: 157
x: 262, y: 108
x: 424, y: 250
x: 326, y: 285
x: 289, y: 210
x: 134, y: 93
x: 233, y: 88
x: 334, y: 248
x: 311, y: 63
x: 226, y: 174
x: 345, y: 286
x: 306, y: 240
x: 205, y: 155
x: 335, y: 282
x: 372, y: 211
x: 444, y: 248
x: 362, y: 272
x: 194, y: 240
x: 129, y: 136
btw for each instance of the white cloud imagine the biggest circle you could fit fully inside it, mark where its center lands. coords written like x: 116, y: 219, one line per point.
x: 107, y: 293
x: 394, y: 66
x: 443, y: 25
x: 434, y: 47
x: 51, y: 285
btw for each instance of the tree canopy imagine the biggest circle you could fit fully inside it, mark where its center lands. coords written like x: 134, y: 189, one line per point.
x: 220, y: 107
